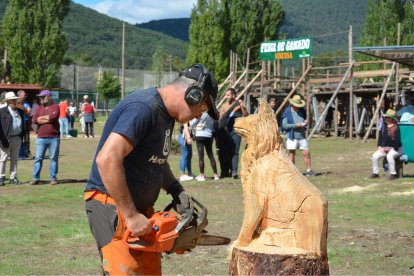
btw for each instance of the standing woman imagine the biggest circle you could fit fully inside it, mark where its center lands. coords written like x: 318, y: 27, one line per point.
x: 88, y: 116
x: 204, y: 139
x: 185, y: 140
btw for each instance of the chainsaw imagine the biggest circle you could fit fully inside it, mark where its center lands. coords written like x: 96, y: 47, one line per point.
x: 175, y: 234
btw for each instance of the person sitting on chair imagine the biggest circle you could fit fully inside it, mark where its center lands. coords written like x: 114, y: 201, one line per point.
x: 389, y: 145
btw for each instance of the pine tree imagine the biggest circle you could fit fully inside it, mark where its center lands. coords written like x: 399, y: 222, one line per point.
x: 407, y: 26
x: 207, y: 37
x: 220, y: 26
x: 34, y: 39
x: 382, y: 18
x: 251, y: 22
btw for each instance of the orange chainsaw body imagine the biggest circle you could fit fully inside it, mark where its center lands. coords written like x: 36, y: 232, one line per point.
x: 162, y: 237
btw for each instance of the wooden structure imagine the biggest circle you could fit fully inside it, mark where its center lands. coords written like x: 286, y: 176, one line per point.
x: 31, y: 89
x: 284, y: 229
x: 345, y: 99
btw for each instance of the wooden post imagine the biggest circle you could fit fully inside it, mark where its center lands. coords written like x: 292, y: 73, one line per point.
x: 355, y: 112
x: 246, y: 76
x: 361, y: 122
x: 235, y: 65
x: 351, y: 92
x: 278, y: 73
x: 315, y: 109
x: 309, y: 95
x: 379, y: 103
x: 262, y: 78
x: 397, y: 68
x: 336, y: 119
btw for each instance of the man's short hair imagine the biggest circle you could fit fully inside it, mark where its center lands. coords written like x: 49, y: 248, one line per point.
x: 20, y: 93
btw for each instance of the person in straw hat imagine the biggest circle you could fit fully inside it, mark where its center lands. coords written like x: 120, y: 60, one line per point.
x: 294, y: 121
x: 389, y: 145
x: 12, y: 131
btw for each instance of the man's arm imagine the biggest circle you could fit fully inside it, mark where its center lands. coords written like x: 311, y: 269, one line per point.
x: 110, y: 165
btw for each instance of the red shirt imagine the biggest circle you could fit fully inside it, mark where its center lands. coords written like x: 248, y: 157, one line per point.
x: 50, y: 129
x: 88, y: 108
x: 63, y: 109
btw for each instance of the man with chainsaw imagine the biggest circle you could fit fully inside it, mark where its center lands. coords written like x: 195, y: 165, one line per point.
x: 130, y: 166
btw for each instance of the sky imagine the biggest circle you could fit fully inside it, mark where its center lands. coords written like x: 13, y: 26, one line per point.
x: 141, y: 11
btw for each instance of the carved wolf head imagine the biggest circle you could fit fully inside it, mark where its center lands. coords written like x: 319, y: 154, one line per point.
x: 260, y: 130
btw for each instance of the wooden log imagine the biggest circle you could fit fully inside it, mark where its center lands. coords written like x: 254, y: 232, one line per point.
x: 247, y: 262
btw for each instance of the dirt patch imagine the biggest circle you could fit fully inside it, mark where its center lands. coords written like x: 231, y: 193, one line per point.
x: 357, y: 188
x: 406, y: 193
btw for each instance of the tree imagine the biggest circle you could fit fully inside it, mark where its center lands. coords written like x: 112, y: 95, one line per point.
x: 407, y: 26
x: 220, y: 26
x: 251, y: 22
x: 34, y: 39
x: 109, y: 87
x: 381, y: 22
x: 207, y: 37
x: 158, y: 64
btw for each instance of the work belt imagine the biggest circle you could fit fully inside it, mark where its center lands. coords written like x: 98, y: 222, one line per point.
x: 99, y: 196
x: 106, y: 199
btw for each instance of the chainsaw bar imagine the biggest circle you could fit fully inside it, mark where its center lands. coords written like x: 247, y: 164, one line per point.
x: 210, y: 240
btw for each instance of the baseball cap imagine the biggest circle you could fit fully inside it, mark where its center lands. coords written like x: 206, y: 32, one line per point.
x: 195, y: 72
x: 44, y: 93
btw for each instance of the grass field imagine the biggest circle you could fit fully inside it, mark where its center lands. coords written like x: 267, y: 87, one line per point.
x: 43, y: 229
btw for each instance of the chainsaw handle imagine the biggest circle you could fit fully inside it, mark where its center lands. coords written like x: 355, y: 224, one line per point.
x: 148, y: 236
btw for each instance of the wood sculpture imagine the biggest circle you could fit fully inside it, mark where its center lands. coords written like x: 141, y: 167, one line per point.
x: 284, y: 229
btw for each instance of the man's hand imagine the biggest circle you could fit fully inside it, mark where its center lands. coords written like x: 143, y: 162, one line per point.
x: 183, y: 203
x: 43, y: 119
x: 138, y: 224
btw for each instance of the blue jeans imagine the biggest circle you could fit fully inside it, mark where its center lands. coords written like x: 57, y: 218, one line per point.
x: 42, y: 144
x: 64, y: 126
x: 235, y: 154
x: 186, y: 154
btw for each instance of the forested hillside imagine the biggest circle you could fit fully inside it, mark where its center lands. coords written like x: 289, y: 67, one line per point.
x: 177, y: 28
x: 317, y: 18
x: 95, y: 38
x: 320, y: 18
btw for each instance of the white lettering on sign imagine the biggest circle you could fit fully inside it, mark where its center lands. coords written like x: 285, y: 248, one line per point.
x: 268, y: 47
x: 301, y: 44
x: 281, y: 46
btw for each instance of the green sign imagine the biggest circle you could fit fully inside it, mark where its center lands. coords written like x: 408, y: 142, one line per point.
x: 286, y: 49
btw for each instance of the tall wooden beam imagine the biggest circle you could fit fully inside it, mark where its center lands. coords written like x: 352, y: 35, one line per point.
x: 351, y: 92
x: 293, y: 89
x: 379, y: 103
x: 325, y: 111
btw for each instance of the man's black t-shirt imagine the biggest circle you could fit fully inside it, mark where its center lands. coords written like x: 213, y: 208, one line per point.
x: 142, y: 118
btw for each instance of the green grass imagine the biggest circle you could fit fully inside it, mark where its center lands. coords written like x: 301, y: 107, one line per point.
x: 44, y: 228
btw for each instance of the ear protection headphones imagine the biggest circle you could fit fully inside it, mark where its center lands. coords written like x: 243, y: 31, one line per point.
x: 194, y: 95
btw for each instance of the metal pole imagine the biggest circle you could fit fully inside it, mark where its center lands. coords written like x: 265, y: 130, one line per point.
x: 123, y: 62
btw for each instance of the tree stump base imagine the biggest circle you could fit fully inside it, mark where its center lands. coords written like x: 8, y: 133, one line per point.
x: 276, y: 261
